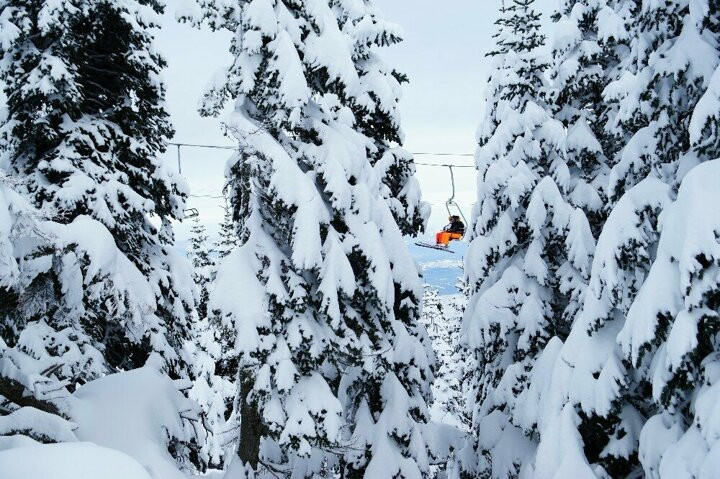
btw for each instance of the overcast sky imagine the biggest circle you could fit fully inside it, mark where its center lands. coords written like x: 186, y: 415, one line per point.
x: 443, y: 54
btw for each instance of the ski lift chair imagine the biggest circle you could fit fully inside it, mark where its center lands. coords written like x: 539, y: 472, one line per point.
x: 191, y: 213
x: 455, y: 231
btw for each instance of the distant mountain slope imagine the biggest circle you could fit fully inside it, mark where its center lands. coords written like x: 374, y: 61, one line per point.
x: 440, y: 269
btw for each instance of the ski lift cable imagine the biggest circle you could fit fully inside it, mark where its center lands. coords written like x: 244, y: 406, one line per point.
x: 444, y: 165
x: 199, y: 145
x: 230, y: 147
x: 448, y: 204
x: 430, y: 153
x: 214, y: 197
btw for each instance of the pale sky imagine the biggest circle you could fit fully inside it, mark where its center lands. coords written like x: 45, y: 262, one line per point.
x: 443, y: 54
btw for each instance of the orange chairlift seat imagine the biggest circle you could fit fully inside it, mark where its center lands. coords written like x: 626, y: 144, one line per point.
x: 454, y: 231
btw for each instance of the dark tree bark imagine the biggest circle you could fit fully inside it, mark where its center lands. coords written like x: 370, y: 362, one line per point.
x: 251, y: 423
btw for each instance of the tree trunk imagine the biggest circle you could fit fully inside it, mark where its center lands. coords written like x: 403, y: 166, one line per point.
x: 250, y: 422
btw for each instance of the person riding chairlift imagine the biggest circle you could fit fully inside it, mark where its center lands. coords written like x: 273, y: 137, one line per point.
x: 454, y: 231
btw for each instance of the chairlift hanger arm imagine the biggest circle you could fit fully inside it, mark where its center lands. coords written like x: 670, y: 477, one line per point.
x: 451, y: 201
x: 191, y: 213
x: 452, y: 184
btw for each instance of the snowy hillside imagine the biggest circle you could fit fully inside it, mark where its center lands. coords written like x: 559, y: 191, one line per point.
x: 440, y: 269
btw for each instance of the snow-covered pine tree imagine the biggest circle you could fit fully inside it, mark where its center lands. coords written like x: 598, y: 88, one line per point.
x: 590, y: 50
x: 591, y: 400
x: 215, y: 357
x: 590, y: 41
x: 323, y: 296
x: 202, y: 263
x: 101, y: 288
x: 612, y: 373
x: 673, y: 57
x: 43, y: 362
x: 602, y: 380
x: 86, y: 123
x: 227, y: 238
x: 212, y: 391
x: 671, y: 335
x: 226, y: 361
x: 30, y: 391
x: 531, y: 249
x: 432, y: 311
x: 20, y: 231
x: 442, y: 318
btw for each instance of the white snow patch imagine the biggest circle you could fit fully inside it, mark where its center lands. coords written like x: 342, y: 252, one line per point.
x: 78, y: 460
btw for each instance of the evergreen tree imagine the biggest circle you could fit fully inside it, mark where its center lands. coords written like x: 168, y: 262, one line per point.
x: 671, y: 335
x: 44, y: 366
x: 34, y: 358
x: 86, y: 123
x: 213, y: 388
x: 214, y: 391
x: 530, y: 254
x: 594, y: 402
x: 673, y: 57
x: 442, y: 318
x: 610, y: 377
x: 322, y: 296
x: 228, y: 238
x: 432, y: 309
x: 674, y: 357
x: 591, y: 40
x: 202, y: 263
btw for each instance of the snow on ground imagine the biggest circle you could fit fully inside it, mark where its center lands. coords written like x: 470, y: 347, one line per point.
x: 133, y: 412
x: 74, y: 460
